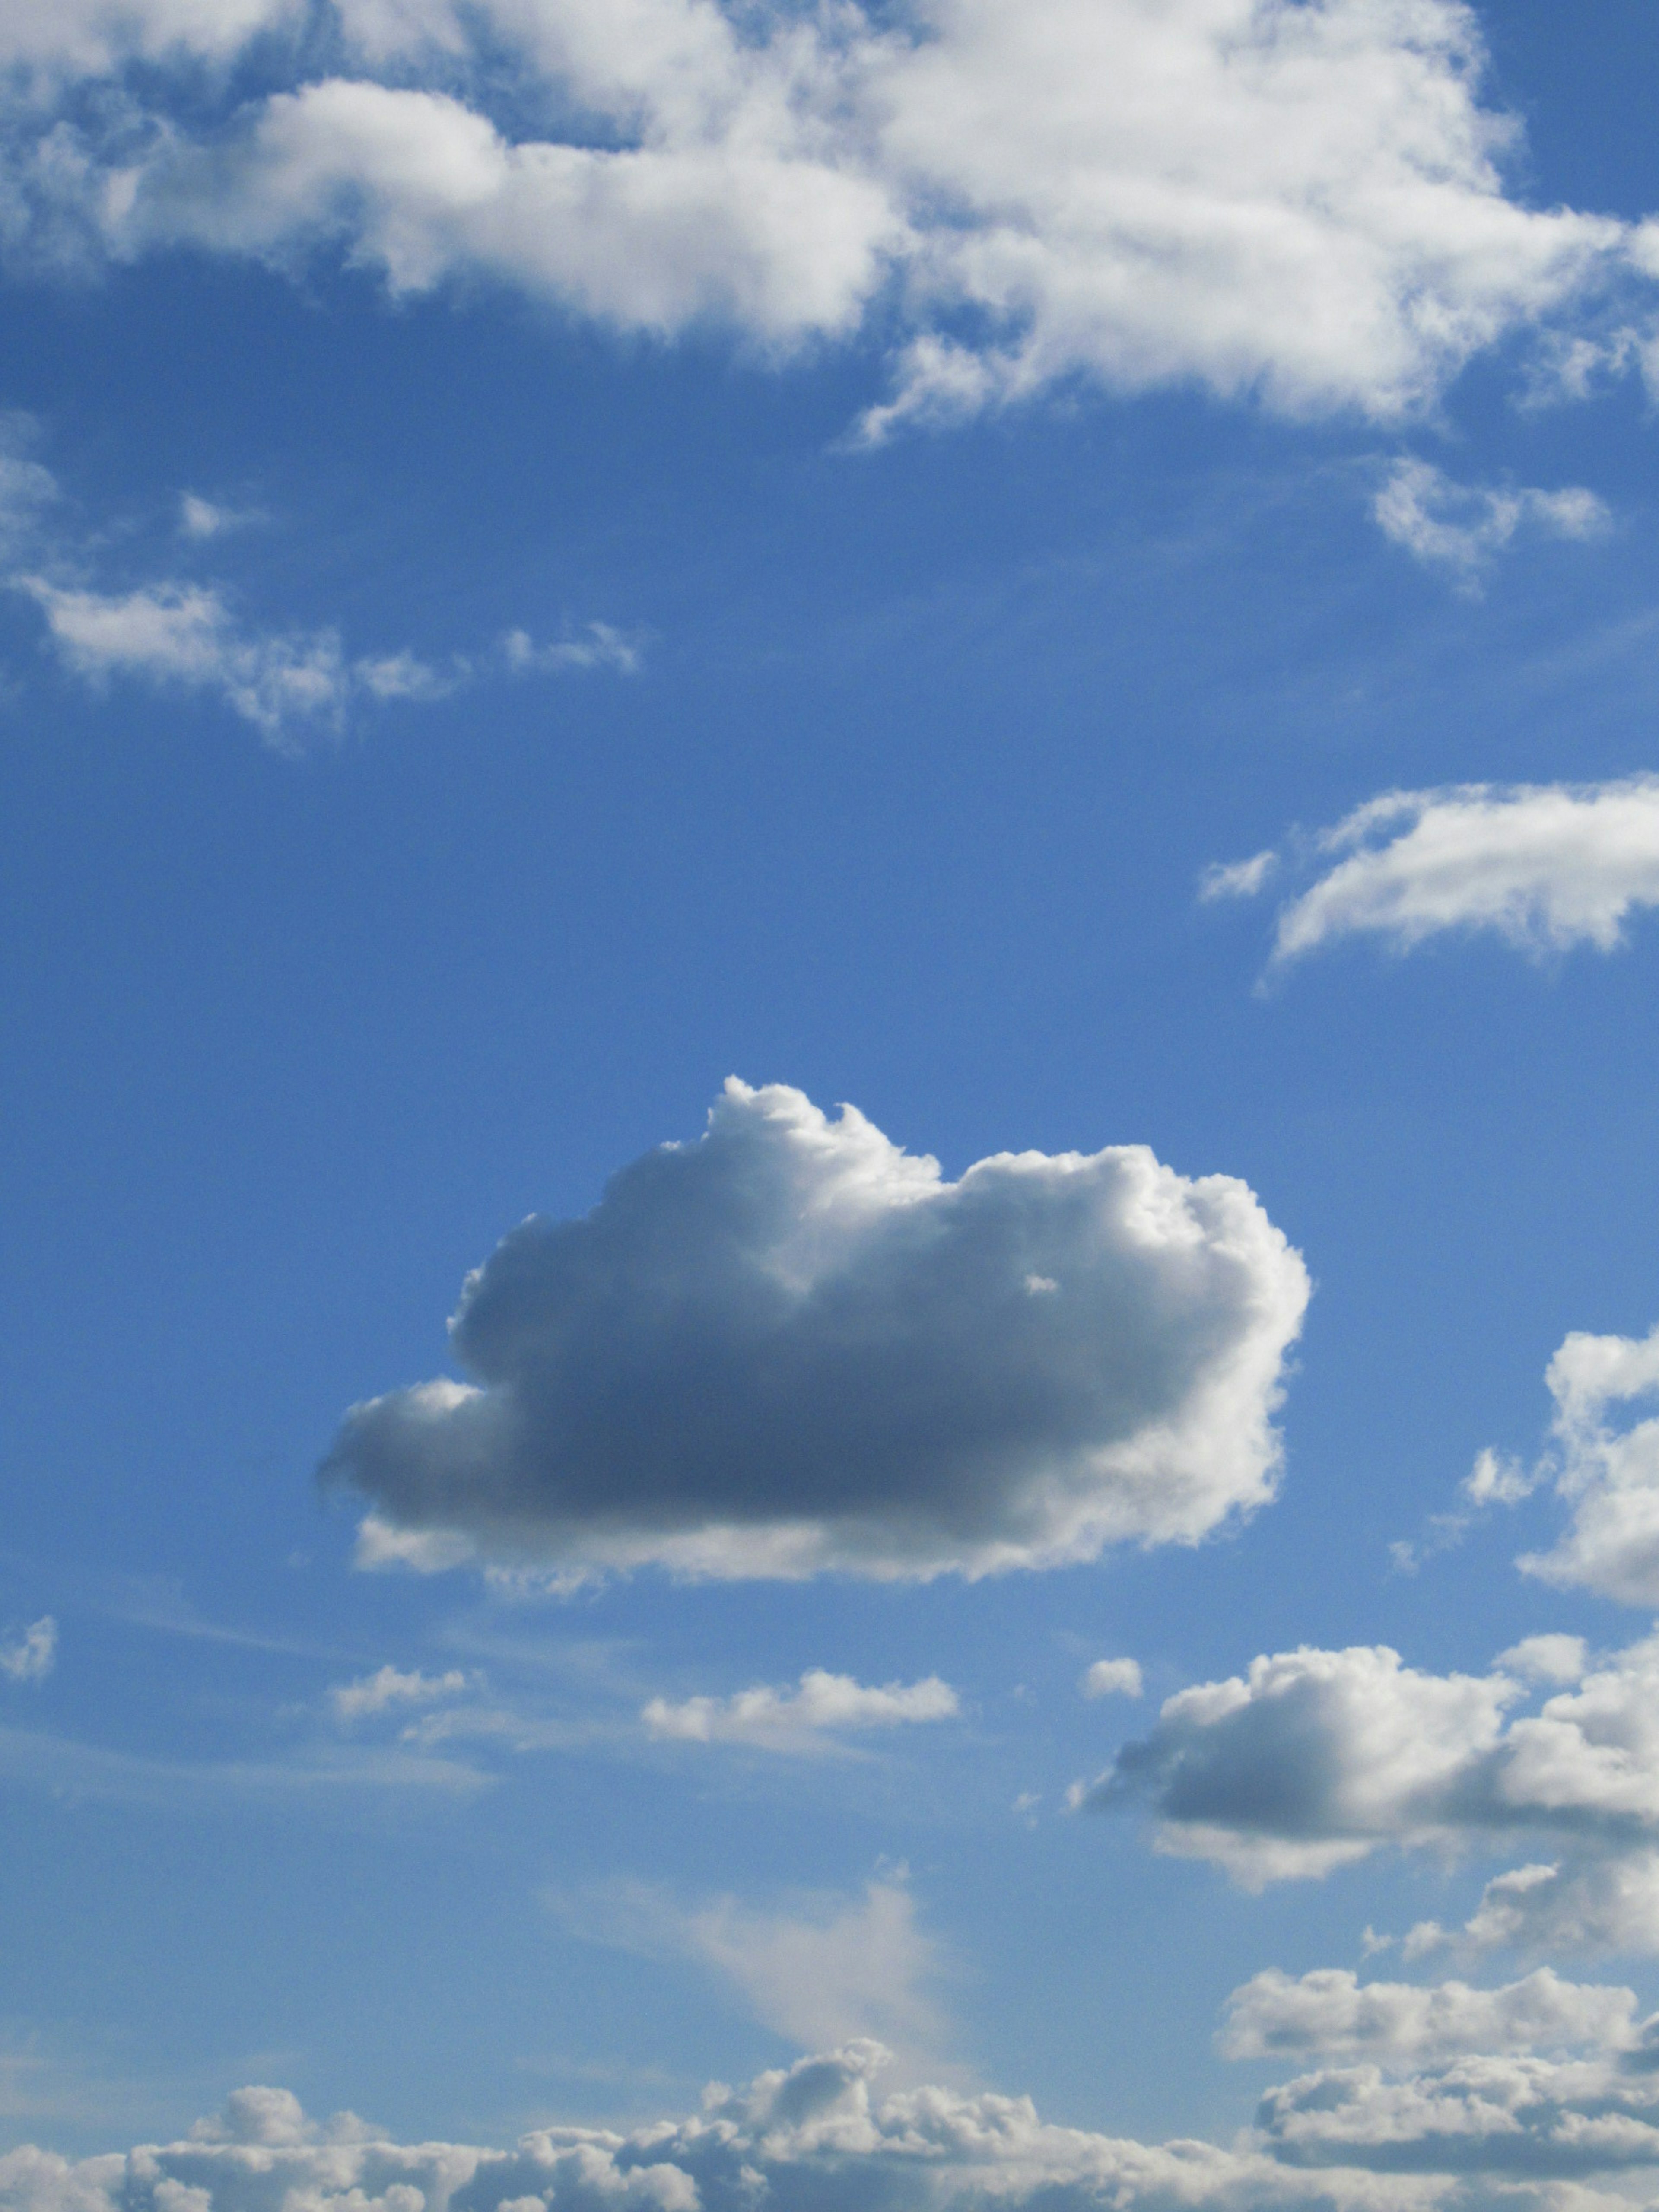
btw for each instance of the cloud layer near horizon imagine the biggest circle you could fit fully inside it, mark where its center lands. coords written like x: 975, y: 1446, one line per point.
x: 1480, y: 2132
x: 1141, y: 195
x: 792, y: 1346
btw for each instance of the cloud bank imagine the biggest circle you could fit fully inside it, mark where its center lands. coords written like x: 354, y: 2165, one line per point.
x: 792, y: 1346
x: 1543, y: 867
x: 1520, y: 2133
x: 1135, y: 195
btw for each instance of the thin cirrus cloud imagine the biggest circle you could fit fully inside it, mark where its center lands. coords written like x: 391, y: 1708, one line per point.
x: 792, y: 1346
x: 822, y: 1705
x: 1460, y: 529
x: 1491, y: 2129
x: 30, y: 1655
x: 1076, y: 188
x: 815, y: 1969
x: 1545, y: 868
x: 1313, y: 1759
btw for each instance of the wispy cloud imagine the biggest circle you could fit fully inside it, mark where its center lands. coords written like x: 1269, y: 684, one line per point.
x: 31, y: 1657
x: 1461, y: 529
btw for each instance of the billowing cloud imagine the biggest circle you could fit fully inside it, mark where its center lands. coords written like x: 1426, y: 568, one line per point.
x: 1544, y: 867
x: 1461, y: 528
x: 1314, y: 1759
x: 1588, y: 1900
x: 792, y: 1346
x: 1138, y: 196
x: 1479, y: 2135
x: 31, y: 1656
x: 1332, y: 2013
x: 799, y: 1719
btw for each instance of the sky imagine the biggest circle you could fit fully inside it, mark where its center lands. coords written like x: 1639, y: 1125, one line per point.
x: 828, y: 850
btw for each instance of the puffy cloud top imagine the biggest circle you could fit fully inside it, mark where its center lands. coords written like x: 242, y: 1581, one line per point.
x: 792, y: 1346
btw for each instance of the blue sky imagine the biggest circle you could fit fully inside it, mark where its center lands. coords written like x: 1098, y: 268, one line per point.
x: 557, y: 554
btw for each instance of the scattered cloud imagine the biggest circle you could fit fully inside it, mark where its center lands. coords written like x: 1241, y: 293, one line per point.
x: 1137, y: 197
x: 598, y: 646
x: 1544, y: 867
x: 1315, y: 1758
x: 1113, y: 1678
x: 31, y: 1657
x: 376, y: 1692
x: 1461, y: 528
x: 792, y: 1346
x: 784, y: 1720
x: 816, y: 1969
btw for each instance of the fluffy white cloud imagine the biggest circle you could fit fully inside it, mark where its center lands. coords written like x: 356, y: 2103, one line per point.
x: 386, y: 1688
x: 799, y: 1719
x: 1317, y: 1758
x: 32, y: 1655
x: 1112, y: 1678
x: 1138, y: 194
x: 1461, y: 527
x: 1479, y: 2135
x: 1545, y: 866
x: 1332, y: 2013
x: 792, y: 1346
x: 1589, y: 1901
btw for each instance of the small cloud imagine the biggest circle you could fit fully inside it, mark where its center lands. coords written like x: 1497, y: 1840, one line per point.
x: 1558, y: 1659
x: 1461, y: 528
x: 31, y: 1657
x: 374, y: 1694
x: 205, y: 518
x: 598, y: 645
x: 781, y: 1720
x: 1238, y: 879
x: 1113, y: 1678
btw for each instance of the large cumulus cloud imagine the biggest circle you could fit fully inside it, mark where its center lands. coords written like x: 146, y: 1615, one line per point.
x: 792, y: 1346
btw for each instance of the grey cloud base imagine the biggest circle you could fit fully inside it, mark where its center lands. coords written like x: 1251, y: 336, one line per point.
x: 792, y: 1346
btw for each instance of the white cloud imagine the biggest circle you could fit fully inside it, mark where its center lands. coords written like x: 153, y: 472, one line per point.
x: 792, y: 1346
x: 817, y: 1970
x: 1544, y: 867
x: 1479, y: 2135
x: 1332, y: 2013
x: 785, y: 1720
x: 205, y: 518
x: 1314, y: 1758
x: 33, y: 1654
x: 1607, y: 1473
x: 1589, y: 1901
x: 1112, y: 1678
x: 1460, y: 528
x: 1137, y: 195
x: 374, y: 1693
x: 186, y: 635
